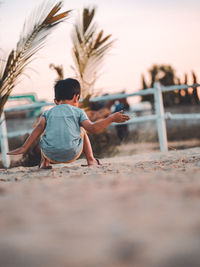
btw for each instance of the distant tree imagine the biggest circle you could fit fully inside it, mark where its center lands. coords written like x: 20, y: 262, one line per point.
x: 180, y: 99
x: 167, y: 78
x: 187, y: 98
x: 144, y: 84
x: 32, y: 39
x: 89, y: 49
x: 195, y: 94
x: 165, y: 75
x: 148, y: 98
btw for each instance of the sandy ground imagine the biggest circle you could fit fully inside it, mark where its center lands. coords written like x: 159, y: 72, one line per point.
x: 139, y: 210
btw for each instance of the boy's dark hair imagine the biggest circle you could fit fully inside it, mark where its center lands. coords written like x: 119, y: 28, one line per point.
x: 66, y: 89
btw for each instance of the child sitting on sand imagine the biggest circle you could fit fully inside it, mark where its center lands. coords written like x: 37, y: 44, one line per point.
x: 63, y: 128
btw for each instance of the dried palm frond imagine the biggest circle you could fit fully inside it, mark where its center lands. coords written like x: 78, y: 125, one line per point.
x: 32, y: 39
x: 59, y: 70
x: 89, y: 50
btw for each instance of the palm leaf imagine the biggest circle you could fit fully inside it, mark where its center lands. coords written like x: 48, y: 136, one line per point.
x: 33, y: 36
x: 57, y: 18
x: 89, y: 49
x: 88, y: 16
x: 58, y: 69
x: 53, y: 11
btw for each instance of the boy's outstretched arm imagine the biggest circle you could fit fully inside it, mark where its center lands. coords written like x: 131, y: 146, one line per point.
x: 38, y: 130
x: 100, y: 125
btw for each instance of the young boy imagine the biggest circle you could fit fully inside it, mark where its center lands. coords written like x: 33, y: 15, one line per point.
x: 63, y: 128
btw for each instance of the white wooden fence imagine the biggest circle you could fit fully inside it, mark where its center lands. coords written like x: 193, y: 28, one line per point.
x: 160, y: 116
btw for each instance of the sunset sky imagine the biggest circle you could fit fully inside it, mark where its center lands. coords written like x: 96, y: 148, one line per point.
x: 147, y: 32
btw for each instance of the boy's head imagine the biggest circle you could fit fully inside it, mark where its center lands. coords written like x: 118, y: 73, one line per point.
x: 66, y: 89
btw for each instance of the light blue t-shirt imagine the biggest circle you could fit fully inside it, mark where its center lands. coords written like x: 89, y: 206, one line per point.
x: 61, y: 140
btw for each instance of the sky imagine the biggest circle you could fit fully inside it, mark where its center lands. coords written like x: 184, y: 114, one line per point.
x: 147, y: 32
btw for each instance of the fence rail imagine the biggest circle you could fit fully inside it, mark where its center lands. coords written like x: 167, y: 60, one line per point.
x: 160, y: 116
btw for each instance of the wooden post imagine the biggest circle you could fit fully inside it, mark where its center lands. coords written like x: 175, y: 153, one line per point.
x: 4, y: 142
x: 161, y: 124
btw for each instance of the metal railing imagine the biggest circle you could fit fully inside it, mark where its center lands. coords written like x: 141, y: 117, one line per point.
x: 160, y: 116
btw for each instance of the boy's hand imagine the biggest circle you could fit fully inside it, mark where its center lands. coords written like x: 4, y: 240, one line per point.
x: 38, y: 130
x: 119, y: 117
x: 20, y: 150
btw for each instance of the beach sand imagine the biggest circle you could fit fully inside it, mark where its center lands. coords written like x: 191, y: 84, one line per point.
x: 137, y: 210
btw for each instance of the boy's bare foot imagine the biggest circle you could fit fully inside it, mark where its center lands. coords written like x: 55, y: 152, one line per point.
x: 92, y: 163
x: 45, y: 165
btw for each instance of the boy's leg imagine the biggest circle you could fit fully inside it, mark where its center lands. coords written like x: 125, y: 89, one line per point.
x: 45, y: 163
x: 87, y: 149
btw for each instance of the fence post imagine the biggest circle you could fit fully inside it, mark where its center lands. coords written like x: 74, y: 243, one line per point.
x: 4, y: 142
x: 161, y: 124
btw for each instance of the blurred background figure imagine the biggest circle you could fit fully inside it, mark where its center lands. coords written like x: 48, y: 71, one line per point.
x: 122, y: 130
x: 99, y: 110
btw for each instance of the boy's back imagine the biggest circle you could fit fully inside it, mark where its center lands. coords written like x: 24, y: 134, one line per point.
x: 62, y: 132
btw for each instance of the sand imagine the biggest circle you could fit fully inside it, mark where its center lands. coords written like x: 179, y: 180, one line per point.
x: 137, y: 210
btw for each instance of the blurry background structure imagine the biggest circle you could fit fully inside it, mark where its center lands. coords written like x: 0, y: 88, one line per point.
x: 148, y: 32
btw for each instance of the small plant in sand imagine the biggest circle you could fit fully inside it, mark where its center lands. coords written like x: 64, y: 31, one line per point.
x: 89, y: 49
x: 33, y: 36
